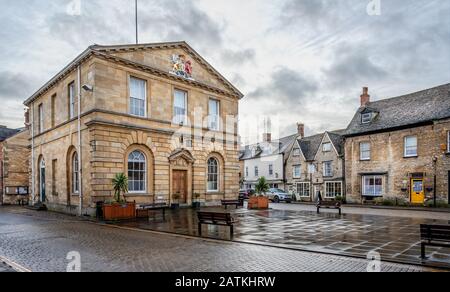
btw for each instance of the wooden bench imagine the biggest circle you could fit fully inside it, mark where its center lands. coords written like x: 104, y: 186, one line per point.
x: 237, y: 203
x: 434, y: 235
x: 215, y: 218
x: 329, y: 205
x: 143, y: 211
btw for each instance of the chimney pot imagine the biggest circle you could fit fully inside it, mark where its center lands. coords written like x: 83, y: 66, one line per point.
x: 267, y: 137
x: 301, y: 130
x: 365, y: 97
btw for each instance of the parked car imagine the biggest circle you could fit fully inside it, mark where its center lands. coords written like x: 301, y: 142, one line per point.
x: 278, y: 195
x: 246, y: 194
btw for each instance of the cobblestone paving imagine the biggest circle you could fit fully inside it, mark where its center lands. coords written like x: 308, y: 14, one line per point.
x: 395, y: 238
x: 41, y: 242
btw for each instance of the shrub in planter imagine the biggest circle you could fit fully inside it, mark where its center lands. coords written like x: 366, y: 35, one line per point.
x: 260, y: 201
x: 119, y: 209
x: 439, y: 204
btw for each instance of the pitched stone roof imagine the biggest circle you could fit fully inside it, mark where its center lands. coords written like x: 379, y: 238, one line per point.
x: 280, y: 146
x: 5, y: 133
x: 310, y: 145
x: 408, y: 110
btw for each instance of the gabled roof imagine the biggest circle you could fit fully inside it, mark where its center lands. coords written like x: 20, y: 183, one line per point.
x: 404, y: 111
x: 280, y: 146
x: 5, y: 133
x: 311, y: 145
x: 105, y: 52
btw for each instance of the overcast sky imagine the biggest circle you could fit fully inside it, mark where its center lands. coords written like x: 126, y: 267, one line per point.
x: 295, y: 60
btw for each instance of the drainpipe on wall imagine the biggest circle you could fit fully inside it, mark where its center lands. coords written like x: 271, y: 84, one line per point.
x: 33, y: 187
x: 80, y: 168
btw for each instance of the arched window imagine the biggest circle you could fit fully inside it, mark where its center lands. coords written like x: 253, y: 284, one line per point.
x: 75, y: 174
x: 213, y: 175
x: 137, y: 172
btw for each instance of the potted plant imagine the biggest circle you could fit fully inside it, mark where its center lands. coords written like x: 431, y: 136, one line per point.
x: 176, y: 198
x: 259, y: 201
x: 196, y: 203
x: 119, y: 209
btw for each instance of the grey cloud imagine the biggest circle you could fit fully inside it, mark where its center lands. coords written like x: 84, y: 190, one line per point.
x: 15, y: 86
x: 240, y: 57
x: 352, y: 67
x: 287, y: 86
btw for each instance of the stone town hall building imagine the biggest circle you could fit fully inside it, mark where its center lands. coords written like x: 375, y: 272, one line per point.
x: 158, y: 113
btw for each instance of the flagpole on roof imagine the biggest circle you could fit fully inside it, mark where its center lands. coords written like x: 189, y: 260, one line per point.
x: 136, y: 16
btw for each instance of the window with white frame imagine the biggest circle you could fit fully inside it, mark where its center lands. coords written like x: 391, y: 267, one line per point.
x: 137, y: 172
x: 311, y: 168
x: 71, y: 93
x: 180, y: 107
x: 372, y: 186
x: 296, y: 152
x: 326, y: 147
x: 297, y: 171
x: 41, y: 118
x: 448, y: 142
x: 328, y: 168
x: 366, y: 118
x: 75, y: 174
x: 411, y: 146
x: 365, y: 151
x: 214, y: 115
x: 256, y: 171
x: 304, y: 190
x: 138, y: 97
x: 213, y: 175
x: 271, y: 169
x: 333, y: 189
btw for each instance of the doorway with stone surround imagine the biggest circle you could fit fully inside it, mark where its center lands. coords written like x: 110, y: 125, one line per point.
x: 181, y: 164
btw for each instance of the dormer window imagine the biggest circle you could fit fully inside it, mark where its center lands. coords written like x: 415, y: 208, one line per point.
x: 366, y: 118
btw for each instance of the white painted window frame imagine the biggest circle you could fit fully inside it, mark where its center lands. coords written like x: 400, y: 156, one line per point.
x: 406, y: 147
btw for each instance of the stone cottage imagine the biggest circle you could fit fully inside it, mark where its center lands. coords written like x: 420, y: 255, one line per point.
x: 399, y: 148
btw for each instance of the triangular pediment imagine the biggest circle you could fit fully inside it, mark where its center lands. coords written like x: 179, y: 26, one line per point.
x: 182, y: 154
x: 177, y: 59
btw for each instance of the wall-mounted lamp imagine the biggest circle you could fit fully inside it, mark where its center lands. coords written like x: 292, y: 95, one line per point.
x: 88, y: 87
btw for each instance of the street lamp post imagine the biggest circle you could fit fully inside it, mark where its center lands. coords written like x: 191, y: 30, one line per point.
x: 435, y: 160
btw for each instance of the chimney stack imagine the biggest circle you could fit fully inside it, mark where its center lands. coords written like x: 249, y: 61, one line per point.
x: 365, y: 97
x: 267, y: 138
x: 301, y: 130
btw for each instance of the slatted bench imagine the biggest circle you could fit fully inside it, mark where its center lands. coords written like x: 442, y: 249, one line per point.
x: 434, y: 235
x: 143, y: 211
x: 329, y: 205
x: 237, y: 203
x: 215, y: 218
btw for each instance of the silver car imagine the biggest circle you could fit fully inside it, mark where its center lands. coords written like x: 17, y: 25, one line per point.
x: 278, y: 195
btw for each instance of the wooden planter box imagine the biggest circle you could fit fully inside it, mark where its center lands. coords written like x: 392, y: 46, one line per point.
x: 259, y: 203
x: 119, y: 211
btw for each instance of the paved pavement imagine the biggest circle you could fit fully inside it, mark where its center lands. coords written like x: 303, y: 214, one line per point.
x: 356, y: 233
x: 41, y: 241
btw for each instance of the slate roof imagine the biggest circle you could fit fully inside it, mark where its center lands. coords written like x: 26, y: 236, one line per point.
x: 310, y: 145
x: 5, y: 133
x: 280, y: 146
x: 404, y: 111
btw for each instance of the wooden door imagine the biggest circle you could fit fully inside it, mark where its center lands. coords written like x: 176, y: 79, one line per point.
x: 179, y: 185
x: 417, y: 191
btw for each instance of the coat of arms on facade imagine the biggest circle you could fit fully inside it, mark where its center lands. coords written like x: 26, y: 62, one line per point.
x: 181, y: 66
